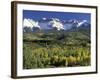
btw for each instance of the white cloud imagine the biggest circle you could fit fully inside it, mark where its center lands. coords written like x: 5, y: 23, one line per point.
x: 44, y: 18
x: 30, y: 23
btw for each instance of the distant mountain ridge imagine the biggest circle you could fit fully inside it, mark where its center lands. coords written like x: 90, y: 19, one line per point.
x: 30, y: 25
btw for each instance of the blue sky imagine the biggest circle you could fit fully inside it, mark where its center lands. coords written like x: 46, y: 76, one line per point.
x: 37, y: 15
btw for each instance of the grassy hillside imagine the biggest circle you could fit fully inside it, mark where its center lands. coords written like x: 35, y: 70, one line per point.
x: 47, y: 49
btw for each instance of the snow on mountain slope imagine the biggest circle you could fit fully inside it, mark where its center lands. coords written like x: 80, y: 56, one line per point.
x: 55, y: 23
x: 81, y: 23
x: 30, y: 23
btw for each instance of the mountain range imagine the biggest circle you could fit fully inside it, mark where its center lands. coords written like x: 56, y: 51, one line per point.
x: 30, y: 25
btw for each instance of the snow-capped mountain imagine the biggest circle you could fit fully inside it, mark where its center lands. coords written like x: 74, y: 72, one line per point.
x: 55, y: 23
x: 30, y: 25
x: 52, y: 23
x: 81, y: 23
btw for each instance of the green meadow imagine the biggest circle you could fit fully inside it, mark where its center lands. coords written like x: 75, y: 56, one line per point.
x: 51, y: 49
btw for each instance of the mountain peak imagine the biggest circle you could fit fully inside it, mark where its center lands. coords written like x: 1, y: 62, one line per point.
x: 30, y: 23
x: 53, y: 23
x: 81, y: 23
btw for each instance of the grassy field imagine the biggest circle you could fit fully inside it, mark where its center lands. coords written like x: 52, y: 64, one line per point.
x: 56, y: 49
